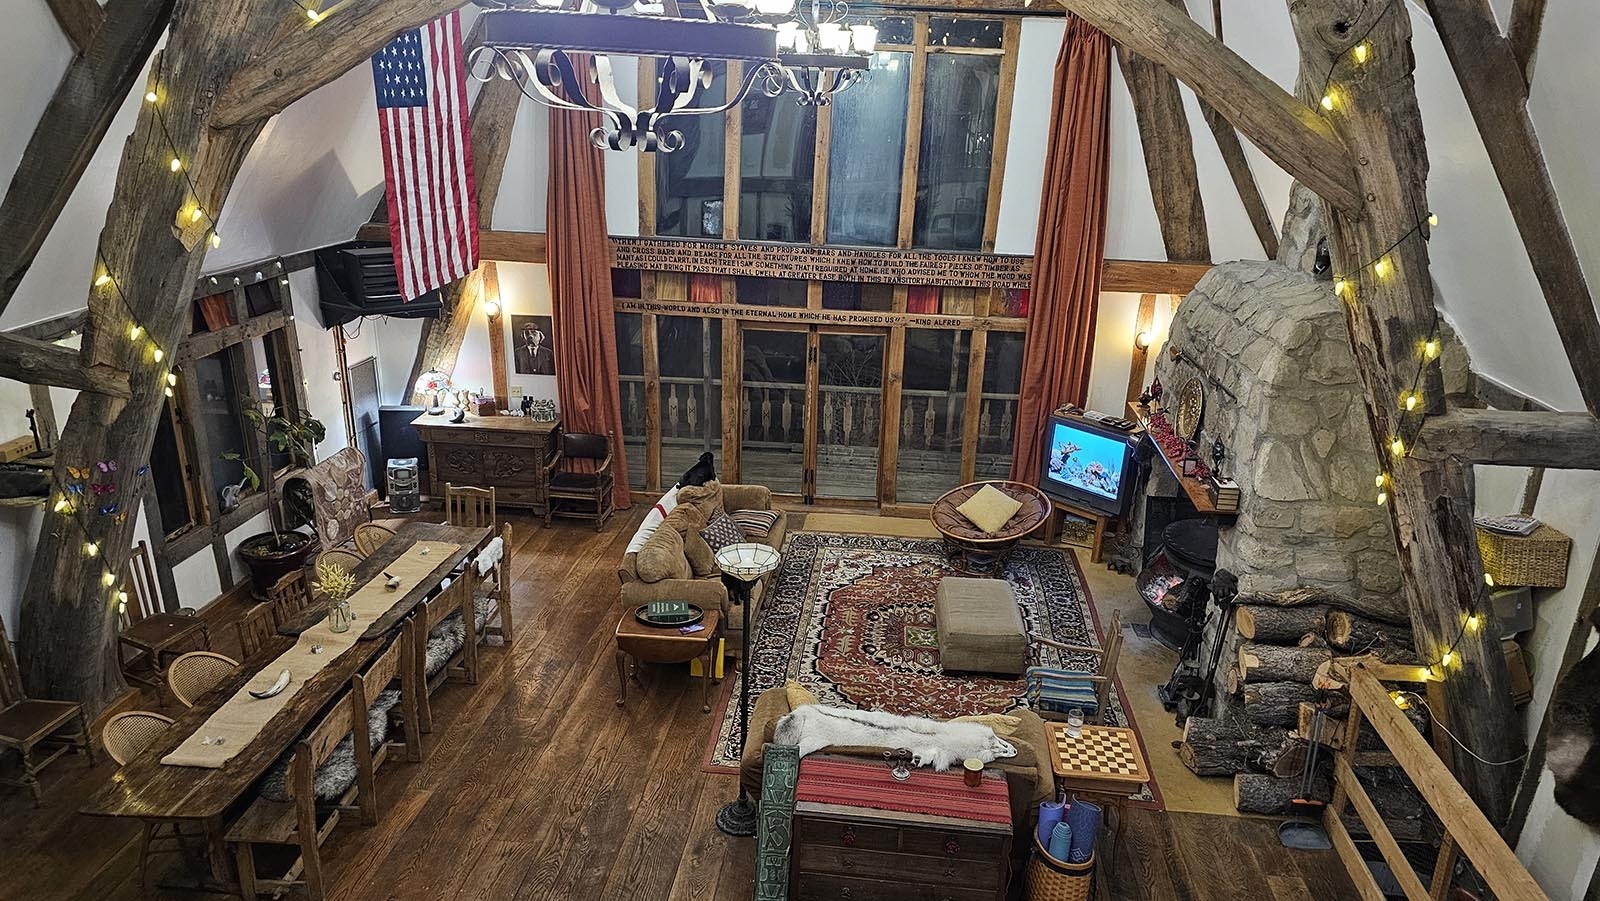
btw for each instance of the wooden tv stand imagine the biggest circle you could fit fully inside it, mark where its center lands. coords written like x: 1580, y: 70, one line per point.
x: 1052, y: 525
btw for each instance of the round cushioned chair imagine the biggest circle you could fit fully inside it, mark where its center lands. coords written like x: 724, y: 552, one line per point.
x: 126, y: 735
x: 985, y: 553
x: 196, y: 673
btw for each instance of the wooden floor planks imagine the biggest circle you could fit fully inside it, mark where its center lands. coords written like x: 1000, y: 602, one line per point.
x: 537, y: 787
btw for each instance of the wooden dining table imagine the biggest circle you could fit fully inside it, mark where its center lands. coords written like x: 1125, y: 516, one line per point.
x: 149, y: 790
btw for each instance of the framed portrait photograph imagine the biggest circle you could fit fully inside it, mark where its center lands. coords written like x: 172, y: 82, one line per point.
x: 532, y: 348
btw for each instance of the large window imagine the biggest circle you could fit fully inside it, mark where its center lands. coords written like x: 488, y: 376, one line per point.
x: 908, y: 157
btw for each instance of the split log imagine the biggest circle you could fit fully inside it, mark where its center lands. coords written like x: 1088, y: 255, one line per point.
x: 1326, y: 680
x: 1231, y: 680
x: 1279, y: 625
x: 1387, y: 609
x: 1264, y: 794
x: 1347, y: 631
x: 1276, y: 703
x: 1273, y: 663
x: 1222, y: 747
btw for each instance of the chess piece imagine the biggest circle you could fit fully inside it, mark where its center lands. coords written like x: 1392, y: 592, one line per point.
x: 1155, y: 389
x: 1218, y: 452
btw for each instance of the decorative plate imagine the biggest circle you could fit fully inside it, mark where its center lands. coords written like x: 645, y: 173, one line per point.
x: 1191, y: 403
x: 668, y: 613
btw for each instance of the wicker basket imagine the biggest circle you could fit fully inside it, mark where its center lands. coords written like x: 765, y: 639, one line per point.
x: 1537, y: 561
x: 1050, y: 879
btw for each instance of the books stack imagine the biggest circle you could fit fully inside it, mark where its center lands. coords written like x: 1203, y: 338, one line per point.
x: 1224, y: 494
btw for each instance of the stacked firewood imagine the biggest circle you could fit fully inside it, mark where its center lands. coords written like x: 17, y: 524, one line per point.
x: 1276, y: 673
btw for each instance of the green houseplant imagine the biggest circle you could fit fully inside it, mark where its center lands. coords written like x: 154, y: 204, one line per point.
x: 272, y: 554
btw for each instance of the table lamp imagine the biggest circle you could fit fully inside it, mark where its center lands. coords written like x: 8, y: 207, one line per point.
x: 742, y: 564
x: 433, y: 383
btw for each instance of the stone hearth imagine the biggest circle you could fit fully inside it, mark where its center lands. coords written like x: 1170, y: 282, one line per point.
x: 1270, y: 346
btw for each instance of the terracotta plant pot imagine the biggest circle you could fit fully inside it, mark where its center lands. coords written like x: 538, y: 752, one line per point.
x: 270, y: 557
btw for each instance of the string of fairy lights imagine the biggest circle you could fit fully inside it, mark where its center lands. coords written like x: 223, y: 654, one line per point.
x: 72, y: 497
x: 1411, y: 410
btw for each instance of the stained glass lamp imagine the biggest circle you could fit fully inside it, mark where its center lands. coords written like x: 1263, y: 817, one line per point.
x: 433, y: 382
x: 742, y: 564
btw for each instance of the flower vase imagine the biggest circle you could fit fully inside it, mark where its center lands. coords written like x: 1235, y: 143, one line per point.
x: 339, y: 615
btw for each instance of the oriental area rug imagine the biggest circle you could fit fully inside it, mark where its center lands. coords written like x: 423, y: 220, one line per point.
x: 851, y: 617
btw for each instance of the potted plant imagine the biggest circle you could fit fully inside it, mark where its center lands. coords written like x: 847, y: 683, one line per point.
x: 271, y: 555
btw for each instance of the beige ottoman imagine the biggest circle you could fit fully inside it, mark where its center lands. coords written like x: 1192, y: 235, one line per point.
x: 980, y: 627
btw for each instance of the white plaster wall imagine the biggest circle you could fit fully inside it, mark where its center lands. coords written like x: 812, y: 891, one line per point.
x: 525, y: 291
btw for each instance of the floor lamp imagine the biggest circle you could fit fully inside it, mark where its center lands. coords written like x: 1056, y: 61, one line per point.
x: 742, y: 565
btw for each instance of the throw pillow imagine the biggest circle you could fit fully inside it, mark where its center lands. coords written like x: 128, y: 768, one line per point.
x: 798, y: 694
x: 706, y: 498
x: 1003, y: 725
x: 721, y: 531
x: 704, y: 470
x: 990, y: 509
x: 662, y: 557
x: 755, y: 524
x: 652, y: 520
x: 688, y: 522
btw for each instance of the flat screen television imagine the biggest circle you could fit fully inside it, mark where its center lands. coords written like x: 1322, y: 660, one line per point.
x: 1087, y: 465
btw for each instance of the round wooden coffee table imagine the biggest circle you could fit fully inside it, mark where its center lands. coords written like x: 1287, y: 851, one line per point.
x: 665, y: 644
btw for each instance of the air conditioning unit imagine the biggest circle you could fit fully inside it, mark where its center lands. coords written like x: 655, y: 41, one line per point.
x: 358, y: 279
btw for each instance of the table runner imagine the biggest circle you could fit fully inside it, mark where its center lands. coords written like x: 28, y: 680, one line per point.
x: 861, y: 784
x: 241, y: 718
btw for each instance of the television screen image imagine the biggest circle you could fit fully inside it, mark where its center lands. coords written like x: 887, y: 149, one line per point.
x: 1085, y: 460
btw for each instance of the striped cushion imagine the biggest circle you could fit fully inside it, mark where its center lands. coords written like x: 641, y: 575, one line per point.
x: 755, y: 524
x: 1059, y: 691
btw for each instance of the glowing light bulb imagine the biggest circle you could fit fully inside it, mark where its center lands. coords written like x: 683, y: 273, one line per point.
x: 216, y: 240
x: 1488, y: 580
x: 1340, y: 286
x: 1430, y: 348
x: 1399, y: 699
x: 313, y: 15
x: 1382, y: 479
x: 1474, y: 622
x: 1433, y: 219
x: 1143, y: 339
x: 1382, y: 268
x: 108, y: 579
x: 195, y: 214
x: 172, y: 378
x: 1412, y: 398
x: 122, y: 601
x: 176, y: 165
x: 1446, y: 657
x: 158, y: 354
x: 90, y: 549
x: 151, y: 96
x: 103, y: 279
x: 167, y: 391
x: 1327, y: 101
x: 63, y: 505
x: 491, y: 308
x: 1361, y: 52
x: 1397, y: 447
x: 135, y: 332
x: 1383, y: 498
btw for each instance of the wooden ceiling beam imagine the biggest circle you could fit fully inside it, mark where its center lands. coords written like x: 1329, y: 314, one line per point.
x: 73, y: 124
x: 79, y: 19
x: 1514, y: 438
x: 1491, y: 78
x: 1287, y: 130
x: 1168, y: 155
x: 42, y: 363
x: 315, y: 53
x: 1527, y: 18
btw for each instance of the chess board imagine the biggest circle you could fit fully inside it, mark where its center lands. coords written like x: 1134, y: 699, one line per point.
x: 1101, y: 758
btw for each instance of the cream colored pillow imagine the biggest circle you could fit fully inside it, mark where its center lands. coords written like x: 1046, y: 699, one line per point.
x: 799, y: 695
x: 1003, y: 725
x: 990, y: 509
x: 662, y: 557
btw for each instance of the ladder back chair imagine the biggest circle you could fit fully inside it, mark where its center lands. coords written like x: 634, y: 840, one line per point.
x: 28, y: 725
x: 370, y: 536
x: 257, y: 627
x: 196, y: 673
x: 294, y: 822
x: 392, y: 665
x: 468, y: 506
x: 441, y: 651
x: 147, y: 635
x: 290, y: 595
x: 1054, y: 692
x: 580, y: 479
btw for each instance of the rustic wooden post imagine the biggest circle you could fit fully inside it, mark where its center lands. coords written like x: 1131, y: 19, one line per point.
x: 1390, y: 313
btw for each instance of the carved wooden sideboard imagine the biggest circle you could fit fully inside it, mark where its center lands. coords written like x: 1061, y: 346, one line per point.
x: 506, y: 453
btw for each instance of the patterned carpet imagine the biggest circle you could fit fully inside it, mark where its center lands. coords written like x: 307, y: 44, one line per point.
x: 851, y: 618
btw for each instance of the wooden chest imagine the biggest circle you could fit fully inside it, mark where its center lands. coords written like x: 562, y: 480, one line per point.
x: 506, y: 453
x: 853, y: 853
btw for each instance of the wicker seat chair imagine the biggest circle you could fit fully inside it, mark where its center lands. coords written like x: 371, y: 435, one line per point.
x: 196, y: 673
x: 345, y: 560
x: 580, y: 479
x: 370, y: 535
x: 126, y: 736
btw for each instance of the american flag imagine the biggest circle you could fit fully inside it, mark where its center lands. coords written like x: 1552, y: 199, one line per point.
x: 427, y: 156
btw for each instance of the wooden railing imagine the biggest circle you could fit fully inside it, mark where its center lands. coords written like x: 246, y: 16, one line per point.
x: 1468, y: 831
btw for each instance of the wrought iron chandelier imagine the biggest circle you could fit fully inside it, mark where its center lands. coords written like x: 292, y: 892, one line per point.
x: 553, y: 50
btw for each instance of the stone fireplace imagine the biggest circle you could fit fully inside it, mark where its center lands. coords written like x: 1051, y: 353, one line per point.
x: 1269, y: 344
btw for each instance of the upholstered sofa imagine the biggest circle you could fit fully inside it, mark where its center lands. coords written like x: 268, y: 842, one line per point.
x: 708, y: 591
x: 1028, y: 774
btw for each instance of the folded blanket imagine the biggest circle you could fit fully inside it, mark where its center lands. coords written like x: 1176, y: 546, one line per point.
x: 490, y: 556
x: 814, y: 727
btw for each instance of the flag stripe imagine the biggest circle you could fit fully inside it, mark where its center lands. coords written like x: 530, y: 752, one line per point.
x: 420, y: 82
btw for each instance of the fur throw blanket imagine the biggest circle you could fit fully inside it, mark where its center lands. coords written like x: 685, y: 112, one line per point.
x: 932, y: 743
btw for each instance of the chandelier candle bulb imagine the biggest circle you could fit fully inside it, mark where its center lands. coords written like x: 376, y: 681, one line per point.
x: 864, y: 38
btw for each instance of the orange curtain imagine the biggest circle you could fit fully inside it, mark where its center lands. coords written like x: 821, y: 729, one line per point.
x: 580, y: 284
x: 1069, y: 251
